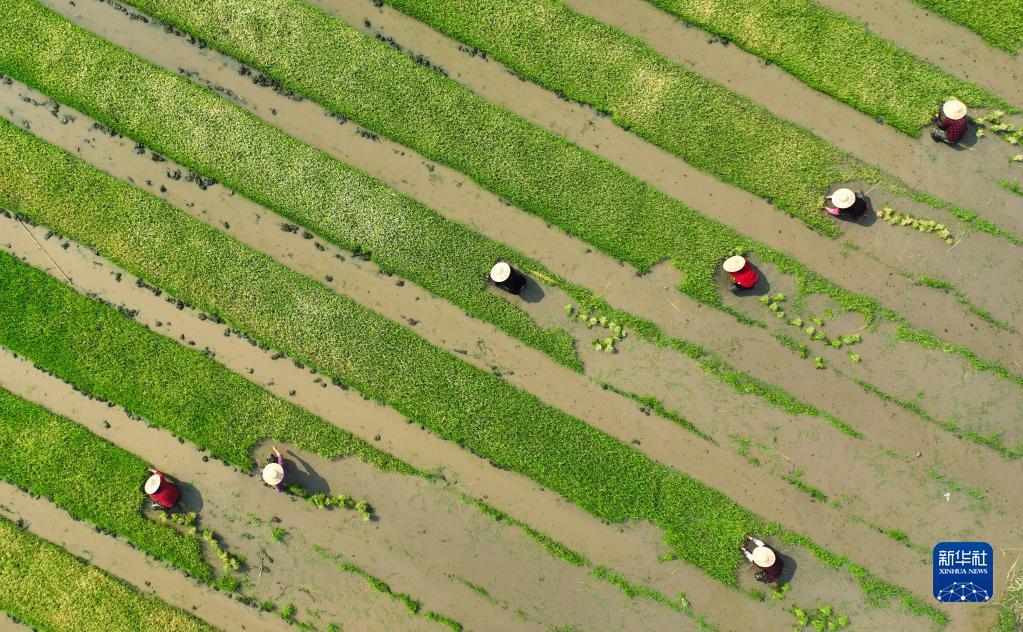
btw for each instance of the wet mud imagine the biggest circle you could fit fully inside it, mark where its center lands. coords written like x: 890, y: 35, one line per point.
x: 454, y: 197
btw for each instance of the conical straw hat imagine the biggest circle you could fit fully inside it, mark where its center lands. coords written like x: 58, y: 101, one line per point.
x: 734, y: 264
x: 500, y: 272
x: 152, y: 484
x: 843, y: 198
x: 763, y: 557
x: 954, y: 109
x: 273, y: 474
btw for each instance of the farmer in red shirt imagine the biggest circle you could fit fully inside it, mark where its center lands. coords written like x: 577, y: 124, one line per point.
x: 744, y: 276
x: 160, y: 490
x: 765, y: 559
x: 951, y: 122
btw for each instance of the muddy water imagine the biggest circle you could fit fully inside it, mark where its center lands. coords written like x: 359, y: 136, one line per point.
x: 454, y: 197
x: 129, y: 564
x: 632, y: 549
x: 662, y: 441
x: 921, y: 164
x: 267, y: 237
x: 450, y: 193
x: 423, y: 542
x: 949, y: 46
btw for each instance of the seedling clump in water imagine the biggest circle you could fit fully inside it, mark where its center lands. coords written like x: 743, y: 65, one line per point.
x: 591, y: 320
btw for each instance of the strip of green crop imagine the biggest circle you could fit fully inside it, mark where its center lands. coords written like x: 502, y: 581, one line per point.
x: 385, y: 361
x: 101, y: 352
x: 96, y: 348
x: 995, y: 441
x: 1010, y: 186
x: 44, y: 586
x: 221, y: 140
x: 90, y: 478
x: 456, y: 240
x: 999, y: 22
x: 836, y: 55
x: 702, y: 122
x: 365, y: 80
x: 414, y: 606
x: 983, y: 314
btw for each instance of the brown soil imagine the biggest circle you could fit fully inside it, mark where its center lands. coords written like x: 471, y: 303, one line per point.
x: 416, y: 546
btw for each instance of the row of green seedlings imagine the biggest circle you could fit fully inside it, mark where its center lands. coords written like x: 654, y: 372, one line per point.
x: 821, y: 619
x: 814, y: 331
x: 608, y: 344
x: 229, y: 563
x: 777, y: 593
x: 1006, y: 131
x: 893, y: 217
x: 321, y: 500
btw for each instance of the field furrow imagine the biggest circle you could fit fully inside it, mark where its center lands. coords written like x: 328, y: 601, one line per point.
x: 697, y: 282
x: 813, y: 43
x: 381, y: 359
x: 48, y: 588
x: 1000, y: 22
x: 434, y: 320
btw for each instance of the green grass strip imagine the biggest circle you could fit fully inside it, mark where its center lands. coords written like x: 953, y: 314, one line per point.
x: 994, y: 441
x: 385, y: 361
x: 999, y: 22
x: 366, y: 80
x: 92, y: 479
x: 1012, y: 187
x: 47, y: 588
x: 669, y: 229
x: 835, y: 55
x: 455, y: 240
x: 702, y: 122
x: 214, y: 137
x: 414, y: 606
x: 106, y: 355
x: 961, y: 298
x: 657, y: 406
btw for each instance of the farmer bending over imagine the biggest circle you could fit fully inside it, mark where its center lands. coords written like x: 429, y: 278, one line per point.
x: 951, y: 122
x: 765, y: 559
x: 845, y: 204
x: 273, y: 471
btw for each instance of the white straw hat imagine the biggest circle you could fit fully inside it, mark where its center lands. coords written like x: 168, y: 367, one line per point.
x: 763, y: 557
x: 273, y: 474
x: 500, y: 272
x: 734, y: 263
x: 152, y: 484
x: 843, y: 198
x: 954, y: 109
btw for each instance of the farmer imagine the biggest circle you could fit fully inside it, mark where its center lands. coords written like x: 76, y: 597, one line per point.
x: 744, y: 276
x: 845, y: 204
x: 160, y: 490
x: 765, y: 559
x: 273, y: 471
x: 951, y: 122
x: 507, y: 278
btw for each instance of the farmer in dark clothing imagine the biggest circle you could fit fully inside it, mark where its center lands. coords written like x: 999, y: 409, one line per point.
x: 765, y: 559
x: 846, y: 204
x: 273, y: 472
x: 951, y: 122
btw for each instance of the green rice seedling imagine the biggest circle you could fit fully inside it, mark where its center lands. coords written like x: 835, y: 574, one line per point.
x: 267, y: 606
x: 819, y: 362
x: 796, y: 322
x: 923, y: 225
x: 817, y: 320
x: 343, y: 340
x: 108, y: 356
x: 778, y: 298
x: 810, y: 330
x: 34, y: 587
x: 102, y: 488
x: 288, y: 613
x: 851, y: 339
x: 854, y: 357
x: 765, y: 299
x: 1011, y: 186
x: 278, y: 533
x: 1016, y: 158
x: 164, y: 111
x: 836, y: 343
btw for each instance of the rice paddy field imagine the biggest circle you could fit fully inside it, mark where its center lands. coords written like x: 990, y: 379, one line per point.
x: 229, y: 227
